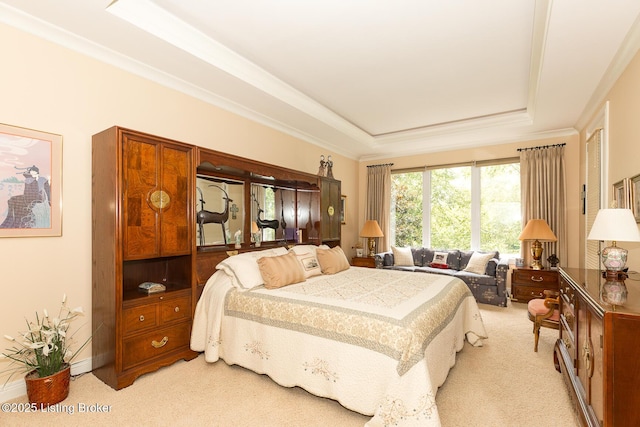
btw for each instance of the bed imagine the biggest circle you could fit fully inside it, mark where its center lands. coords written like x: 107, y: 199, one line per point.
x: 380, y: 342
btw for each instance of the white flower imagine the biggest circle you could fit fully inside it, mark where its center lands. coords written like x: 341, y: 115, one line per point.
x: 35, y: 345
x: 9, y: 337
x: 77, y: 310
x: 46, y: 314
x: 64, y: 298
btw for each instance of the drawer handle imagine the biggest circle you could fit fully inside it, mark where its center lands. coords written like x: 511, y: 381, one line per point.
x: 160, y: 344
x: 177, y: 309
x: 141, y: 318
x: 569, y: 318
x: 538, y: 279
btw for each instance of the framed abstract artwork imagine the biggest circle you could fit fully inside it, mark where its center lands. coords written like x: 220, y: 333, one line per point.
x: 635, y: 196
x: 621, y: 194
x: 30, y: 182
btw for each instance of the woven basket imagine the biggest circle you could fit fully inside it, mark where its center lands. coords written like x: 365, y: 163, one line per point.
x: 48, y: 390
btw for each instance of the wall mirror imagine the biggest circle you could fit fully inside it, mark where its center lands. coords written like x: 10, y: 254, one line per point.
x: 219, y: 210
x: 273, y: 210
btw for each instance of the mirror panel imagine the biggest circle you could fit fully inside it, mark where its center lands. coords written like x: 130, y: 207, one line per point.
x: 219, y: 210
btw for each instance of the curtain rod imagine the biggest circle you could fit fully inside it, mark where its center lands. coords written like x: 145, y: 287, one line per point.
x: 542, y: 146
x: 384, y: 164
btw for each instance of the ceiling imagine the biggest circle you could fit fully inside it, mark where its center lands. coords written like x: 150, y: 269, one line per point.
x: 365, y: 78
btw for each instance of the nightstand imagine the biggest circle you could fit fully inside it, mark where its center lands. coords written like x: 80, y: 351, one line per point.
x: 527, y: 284
x: 363, y: 262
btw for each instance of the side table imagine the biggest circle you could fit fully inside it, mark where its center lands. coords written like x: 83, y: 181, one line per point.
x: 369, y: 262
x: 527, y: 284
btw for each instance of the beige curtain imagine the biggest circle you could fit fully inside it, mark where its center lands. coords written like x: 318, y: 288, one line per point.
x: 543, y: 186
x: 378, y: 201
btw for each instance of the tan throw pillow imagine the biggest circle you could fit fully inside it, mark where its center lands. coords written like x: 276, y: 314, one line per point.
x: 402, y: 256
x: 332, y: 260
x: 279, y: 271
x: 478, y: 262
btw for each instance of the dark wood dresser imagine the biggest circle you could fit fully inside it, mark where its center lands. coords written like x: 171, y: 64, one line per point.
x: 598, y: 351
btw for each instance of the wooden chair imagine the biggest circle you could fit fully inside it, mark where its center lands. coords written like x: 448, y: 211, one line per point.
x: 544, y: 312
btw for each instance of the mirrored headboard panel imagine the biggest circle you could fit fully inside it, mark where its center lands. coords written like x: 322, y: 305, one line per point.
x: 242, y: 203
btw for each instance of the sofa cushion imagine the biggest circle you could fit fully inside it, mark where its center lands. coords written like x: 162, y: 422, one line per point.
x: 465, y: 256
x: 453, y: 257
x: 478, y: 263
x: 402, y: 256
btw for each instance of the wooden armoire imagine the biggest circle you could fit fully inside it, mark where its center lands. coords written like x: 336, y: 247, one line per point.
x: 143, y: 230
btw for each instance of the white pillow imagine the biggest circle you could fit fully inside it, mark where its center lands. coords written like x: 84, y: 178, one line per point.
x: 440, y: 258
x: 402, y: 256
x: 478, y: 262
x: 243, y: 268
x: 303, y: 249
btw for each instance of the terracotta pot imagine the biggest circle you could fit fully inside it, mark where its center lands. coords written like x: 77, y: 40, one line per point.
x: 48, y: 390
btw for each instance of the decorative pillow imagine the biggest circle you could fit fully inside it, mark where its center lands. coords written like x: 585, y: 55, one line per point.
x: 279, y: 271
x: 308, y: 261
x: 303, y: 249
x: 437, y: 265
x: 332, y: 260
x: 402, y: 256
x: 478, y: 262
x: 243, y: 268
x: 440, y: 258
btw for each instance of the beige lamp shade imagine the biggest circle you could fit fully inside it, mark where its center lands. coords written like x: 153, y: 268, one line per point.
x: 371, y: 230
x: 537, y: 230
x: 254, y: 227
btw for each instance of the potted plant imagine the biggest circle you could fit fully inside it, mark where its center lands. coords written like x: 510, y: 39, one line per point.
x: 44, y: 353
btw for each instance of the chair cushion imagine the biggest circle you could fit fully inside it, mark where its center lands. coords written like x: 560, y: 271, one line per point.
x: 537, y: 308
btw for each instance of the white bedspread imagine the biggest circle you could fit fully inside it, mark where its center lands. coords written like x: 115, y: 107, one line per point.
x: 380, y: 342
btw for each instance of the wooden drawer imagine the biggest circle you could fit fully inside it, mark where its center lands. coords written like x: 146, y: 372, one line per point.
x: 138, y: 318
x: 526, y: 293
x: 543, y: 278
x: 175, y: 309
x: 155, y: 344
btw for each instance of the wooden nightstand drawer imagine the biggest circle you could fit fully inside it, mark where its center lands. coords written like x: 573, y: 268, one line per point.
x: 527, y: 284
x: 176, y: 309
x: 138, y: 318
x: 363, y: 262
x: 154, y: 344
x: 526, y: 293
x: 536, y: 277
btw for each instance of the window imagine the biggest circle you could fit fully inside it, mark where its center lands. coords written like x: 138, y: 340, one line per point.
x: 460, y: 207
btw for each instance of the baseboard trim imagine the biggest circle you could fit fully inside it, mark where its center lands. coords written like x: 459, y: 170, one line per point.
x: 18, y: 388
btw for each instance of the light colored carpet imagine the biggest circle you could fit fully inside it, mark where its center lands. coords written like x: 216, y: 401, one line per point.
x: 503, y: 383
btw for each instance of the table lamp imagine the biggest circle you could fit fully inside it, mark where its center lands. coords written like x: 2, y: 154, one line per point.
x: 371, y: 230
x: 614, y: 225
x: 537, y: 230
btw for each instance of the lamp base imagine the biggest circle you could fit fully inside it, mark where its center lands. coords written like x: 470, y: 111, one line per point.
x: 372, y: 247
x: 614, y: 258
x: 536, y: 253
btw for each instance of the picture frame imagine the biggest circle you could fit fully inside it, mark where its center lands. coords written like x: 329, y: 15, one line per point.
x: 30, y: 182
x: 634, y: 183
x: 343, y: 209
x: 621, y: 194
